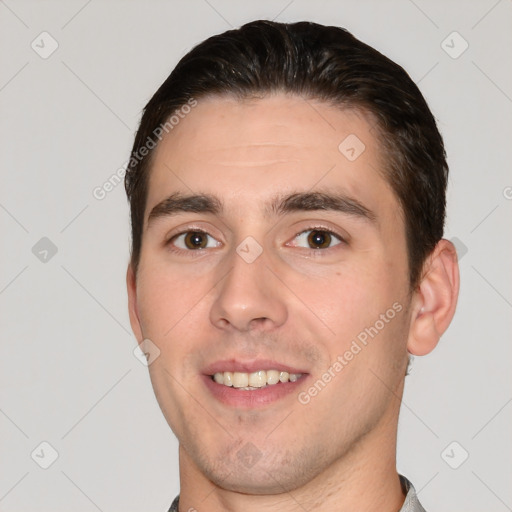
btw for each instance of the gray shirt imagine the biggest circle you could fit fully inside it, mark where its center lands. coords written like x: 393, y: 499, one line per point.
x: 411, y: 503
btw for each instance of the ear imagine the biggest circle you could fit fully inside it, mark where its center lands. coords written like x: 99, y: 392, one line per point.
x: 434, y: 300
x: 131, y: 285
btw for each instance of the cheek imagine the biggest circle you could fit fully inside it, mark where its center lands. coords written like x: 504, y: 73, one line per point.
x: 153, y: 296
x: 364, y: 310
x: 173, y: 311
x: 348, y: 300
x: 162, y: 298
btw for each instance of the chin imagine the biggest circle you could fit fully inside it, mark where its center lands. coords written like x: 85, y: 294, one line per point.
x: 247, y: 470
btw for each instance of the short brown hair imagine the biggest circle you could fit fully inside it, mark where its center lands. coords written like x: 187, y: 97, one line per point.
x: 315, y: 62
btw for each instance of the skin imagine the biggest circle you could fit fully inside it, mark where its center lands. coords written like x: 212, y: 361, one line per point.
x: 294, y: 304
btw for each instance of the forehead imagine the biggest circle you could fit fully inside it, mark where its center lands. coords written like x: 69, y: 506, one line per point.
x: 248, y: 150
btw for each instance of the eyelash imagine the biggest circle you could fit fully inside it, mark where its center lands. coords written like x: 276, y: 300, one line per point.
x: 191, y: 229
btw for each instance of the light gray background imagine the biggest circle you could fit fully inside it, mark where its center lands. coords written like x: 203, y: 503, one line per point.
x: 67, y: 372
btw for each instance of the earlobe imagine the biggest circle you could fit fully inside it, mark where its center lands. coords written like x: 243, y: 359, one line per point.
x: 435, y: 299
x: 131, y: 286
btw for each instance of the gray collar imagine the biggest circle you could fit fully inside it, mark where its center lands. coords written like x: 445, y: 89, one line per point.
x: 411, y: 503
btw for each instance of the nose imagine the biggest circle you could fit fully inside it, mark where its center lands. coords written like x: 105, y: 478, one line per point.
x: 250, y: 297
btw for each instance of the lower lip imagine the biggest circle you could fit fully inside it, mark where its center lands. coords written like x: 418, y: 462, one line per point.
x: 251, y: 399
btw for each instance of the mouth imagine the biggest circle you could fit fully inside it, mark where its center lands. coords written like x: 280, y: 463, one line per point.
x: 252, y: 384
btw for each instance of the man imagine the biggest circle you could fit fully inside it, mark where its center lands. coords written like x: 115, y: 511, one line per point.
x: 287, y: 192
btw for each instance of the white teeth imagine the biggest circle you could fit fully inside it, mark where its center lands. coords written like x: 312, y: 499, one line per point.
x: 254, y: 380
x: 240, y: 380
x: 272, y: 377
x: 258, y: 379
x: 228, y: 379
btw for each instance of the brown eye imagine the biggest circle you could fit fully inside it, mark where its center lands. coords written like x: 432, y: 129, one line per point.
x: 195, y: 240
x: 319, y: 239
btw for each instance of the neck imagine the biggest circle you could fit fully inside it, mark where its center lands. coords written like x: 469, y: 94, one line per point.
x: 364, y: 479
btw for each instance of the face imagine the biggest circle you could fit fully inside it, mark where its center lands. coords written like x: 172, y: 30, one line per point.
x: 277, y: 295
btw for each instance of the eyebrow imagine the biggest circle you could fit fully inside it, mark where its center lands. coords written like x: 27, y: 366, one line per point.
x: 279, y: 205
x: 179, y: 203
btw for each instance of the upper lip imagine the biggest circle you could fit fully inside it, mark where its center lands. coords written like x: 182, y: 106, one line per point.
x: 249, y: 366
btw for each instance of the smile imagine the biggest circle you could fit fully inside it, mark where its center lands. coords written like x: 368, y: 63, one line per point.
x: 254, y: 380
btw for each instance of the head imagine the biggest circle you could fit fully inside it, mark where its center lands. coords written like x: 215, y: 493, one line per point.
x: 287, y: 192
x: 314, y: 62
